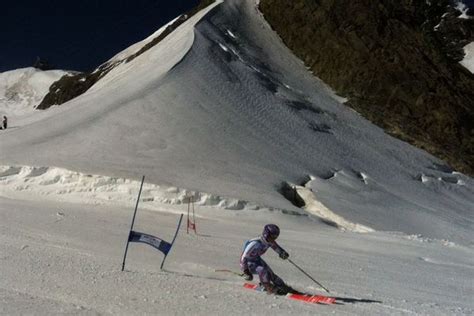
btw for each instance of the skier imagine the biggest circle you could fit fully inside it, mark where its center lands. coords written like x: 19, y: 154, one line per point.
x: 4, y: 122
x: 252, y: 263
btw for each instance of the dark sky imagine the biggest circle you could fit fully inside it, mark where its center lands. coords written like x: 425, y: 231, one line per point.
x: 78, y: 35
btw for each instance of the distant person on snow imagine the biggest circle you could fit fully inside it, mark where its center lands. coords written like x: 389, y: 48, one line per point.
x: 252, y: 263
x: 4, y: 122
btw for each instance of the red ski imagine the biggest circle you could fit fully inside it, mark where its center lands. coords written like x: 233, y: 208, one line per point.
x: 318, y: 299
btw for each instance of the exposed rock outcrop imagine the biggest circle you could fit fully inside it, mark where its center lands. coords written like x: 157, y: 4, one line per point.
x: 396, y: 61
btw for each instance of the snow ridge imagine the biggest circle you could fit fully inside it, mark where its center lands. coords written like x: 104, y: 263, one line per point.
x: 51, y: 183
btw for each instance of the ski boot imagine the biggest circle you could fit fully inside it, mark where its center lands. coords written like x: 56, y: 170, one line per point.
x: 269, y: 288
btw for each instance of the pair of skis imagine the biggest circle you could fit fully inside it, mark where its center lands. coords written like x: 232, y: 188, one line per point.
x: 294, y: 295
x: 315, y: 299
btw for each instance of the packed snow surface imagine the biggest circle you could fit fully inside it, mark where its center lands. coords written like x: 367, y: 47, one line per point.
x: 61, y: 258
x: 222, y: 111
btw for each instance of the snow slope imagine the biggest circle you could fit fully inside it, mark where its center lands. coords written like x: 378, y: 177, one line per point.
x: 239, y: 122
x: 222, y: 110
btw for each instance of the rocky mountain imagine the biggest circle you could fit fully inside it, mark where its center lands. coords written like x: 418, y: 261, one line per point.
x: 397, y: 62
x: 69, y: 87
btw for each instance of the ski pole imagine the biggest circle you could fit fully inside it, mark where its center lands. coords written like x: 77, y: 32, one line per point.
x: 308, y: 275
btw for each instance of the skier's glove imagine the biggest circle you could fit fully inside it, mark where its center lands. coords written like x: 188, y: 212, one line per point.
x: 247, y: 275
x: 284, y: 255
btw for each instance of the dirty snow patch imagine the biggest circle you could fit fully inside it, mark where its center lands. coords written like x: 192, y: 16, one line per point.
x: 315, y: 207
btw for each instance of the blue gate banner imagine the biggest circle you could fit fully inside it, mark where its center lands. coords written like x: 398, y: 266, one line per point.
x: 153, y: 241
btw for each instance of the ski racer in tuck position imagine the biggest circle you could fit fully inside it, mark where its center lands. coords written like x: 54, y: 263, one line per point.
x: 252, y: 263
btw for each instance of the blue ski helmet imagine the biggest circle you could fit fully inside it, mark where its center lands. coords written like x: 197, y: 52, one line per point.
x: 270, y: 232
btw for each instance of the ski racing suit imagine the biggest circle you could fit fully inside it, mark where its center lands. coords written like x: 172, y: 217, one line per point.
x: 251, y: 260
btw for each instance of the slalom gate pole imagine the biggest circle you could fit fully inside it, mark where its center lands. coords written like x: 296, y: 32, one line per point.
x: 174, y: 238
x: 187, y: 222
x: 194, y: 217
x: 308, y: 275
x: 131, y: 227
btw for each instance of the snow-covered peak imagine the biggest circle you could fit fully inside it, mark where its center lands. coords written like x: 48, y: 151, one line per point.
x: 463, y: 8
x: 468, y: 60
x: 23, y: 89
